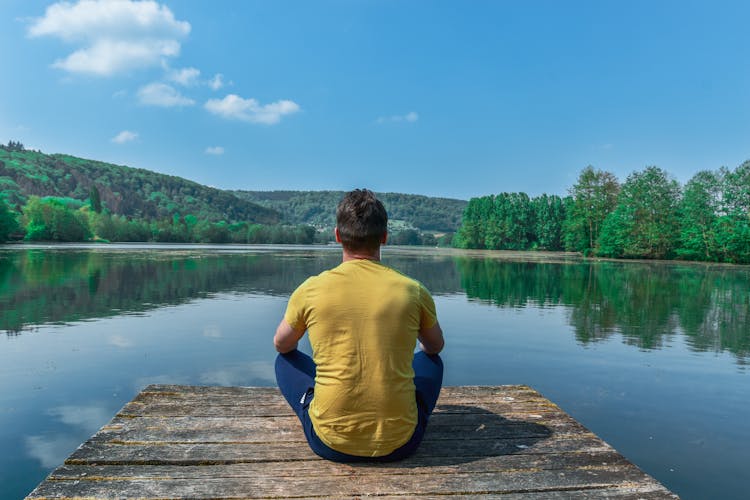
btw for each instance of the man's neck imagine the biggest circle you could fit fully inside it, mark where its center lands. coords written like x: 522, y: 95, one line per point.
x: 361, y: 255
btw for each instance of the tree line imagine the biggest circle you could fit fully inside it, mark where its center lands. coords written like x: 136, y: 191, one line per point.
x: 649, y: 216
x: 69, y: 220
x: 62, y: 219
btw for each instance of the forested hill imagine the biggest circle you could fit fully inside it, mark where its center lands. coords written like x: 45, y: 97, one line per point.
x: 318, y: 208
x: 123, y: 190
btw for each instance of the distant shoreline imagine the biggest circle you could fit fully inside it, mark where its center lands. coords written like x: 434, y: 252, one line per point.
x: 539, y: 256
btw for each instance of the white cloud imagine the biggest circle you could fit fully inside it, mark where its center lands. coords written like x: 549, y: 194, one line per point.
x: 251, y: 373
x: 50, y: 451
x: 89, y: 418
x: 115, y: 35
x: 163, y: 95
x: 212, y: 331
x: 410, y: 117
x: 120, y: 341
x: 186, y: 77
x: 216, y: 82
x: 213, y: 150
x: 125, y: 136
x: 107, y: 57
x: 250, y: 110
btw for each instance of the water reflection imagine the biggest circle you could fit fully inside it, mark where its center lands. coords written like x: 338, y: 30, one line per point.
x: 51, y: 449
x: 646, y: 303
x: 260, y: 373
x: 42, y: 286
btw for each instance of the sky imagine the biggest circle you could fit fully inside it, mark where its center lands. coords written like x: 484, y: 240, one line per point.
x: 443, y: 98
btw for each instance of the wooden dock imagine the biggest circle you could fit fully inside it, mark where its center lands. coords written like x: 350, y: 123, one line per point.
x: 244, y: 442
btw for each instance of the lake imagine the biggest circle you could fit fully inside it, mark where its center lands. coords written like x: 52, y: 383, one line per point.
x: 652, y: 357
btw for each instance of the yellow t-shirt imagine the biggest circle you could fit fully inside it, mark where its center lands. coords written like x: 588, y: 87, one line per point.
x: 363, y: 319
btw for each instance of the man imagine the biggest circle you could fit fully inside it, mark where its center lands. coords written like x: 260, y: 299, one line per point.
x: 364, y: 395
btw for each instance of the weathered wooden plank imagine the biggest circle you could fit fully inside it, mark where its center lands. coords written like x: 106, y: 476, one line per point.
x: 156, y: 408
x: 248, y: 429
x: 272, y: 396
x: 316, y: 468
x: 654, y: 492
x: 464, y: 391
x: 356, y: 485
x: 93, y: 452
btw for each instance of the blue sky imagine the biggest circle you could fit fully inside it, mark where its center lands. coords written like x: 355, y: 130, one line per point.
x: 454, y: 99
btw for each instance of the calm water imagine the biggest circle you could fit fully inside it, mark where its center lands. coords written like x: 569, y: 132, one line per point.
x: 651, y: 357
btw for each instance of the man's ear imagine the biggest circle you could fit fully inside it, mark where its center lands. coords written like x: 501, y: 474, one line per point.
x: 336, y: 233
x: 384, y: 238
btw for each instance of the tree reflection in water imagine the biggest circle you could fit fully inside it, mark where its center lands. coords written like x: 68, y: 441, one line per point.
x: 646, y: 303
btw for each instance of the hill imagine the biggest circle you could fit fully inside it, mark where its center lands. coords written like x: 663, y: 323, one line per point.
x: 127, y: 191
x: 318, y: 208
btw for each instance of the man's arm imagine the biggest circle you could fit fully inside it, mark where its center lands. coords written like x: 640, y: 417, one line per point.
x: 431, y: 339
x: 286, y: 337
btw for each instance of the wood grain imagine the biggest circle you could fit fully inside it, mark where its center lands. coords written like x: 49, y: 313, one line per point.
x: 244, y: 442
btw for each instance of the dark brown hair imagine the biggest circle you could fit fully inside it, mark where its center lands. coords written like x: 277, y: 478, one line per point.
x: 361, y: 220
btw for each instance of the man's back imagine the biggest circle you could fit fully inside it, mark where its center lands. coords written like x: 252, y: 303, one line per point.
x: 364, y: 395
x: 363, y: 319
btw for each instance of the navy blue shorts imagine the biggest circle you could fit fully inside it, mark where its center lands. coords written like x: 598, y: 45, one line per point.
x: 295, y: 374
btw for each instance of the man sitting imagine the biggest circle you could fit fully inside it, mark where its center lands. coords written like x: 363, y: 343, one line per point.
x: 364, y: 395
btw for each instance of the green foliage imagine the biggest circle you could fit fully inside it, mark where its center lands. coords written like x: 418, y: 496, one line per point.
x: 512, y: 221
x: 645, y: 222
x: 10, y: 191
x: 405, y: 237
x: 475, y: 219
x: 95, y: 199
x: 8, y: 222
x: 593, y: 197
x: 318, y: 208
x: 549, y: 216
x: 52, y: 219
x: 699, y: 216
x: 445, y: 240
x: 649, y: 217
x: 134, y: 193
x: 279, y: 235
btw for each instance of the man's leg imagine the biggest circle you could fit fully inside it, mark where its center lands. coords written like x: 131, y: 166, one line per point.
x: 295, y: 375
x: 428, y: 378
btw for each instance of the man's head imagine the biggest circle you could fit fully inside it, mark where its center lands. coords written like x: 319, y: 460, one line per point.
x: 361, y: 221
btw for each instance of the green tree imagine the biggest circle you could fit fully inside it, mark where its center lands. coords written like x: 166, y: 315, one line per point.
x: 645, y: 221
x: 733, y: 226
x: 549, y: 216
x: 594, y: 196
x: 103, y: 225
x: 510, y: 225
x: 208, y: 232
x: 8, y: 221
x: 405, y: 237
x: 51, y: 219
x: 699, y: 216
x: 95, y: 199
x: 471, y: 233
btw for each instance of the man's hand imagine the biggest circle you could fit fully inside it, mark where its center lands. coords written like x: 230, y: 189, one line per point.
x: 286, y: 337
x: 431, y: 339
